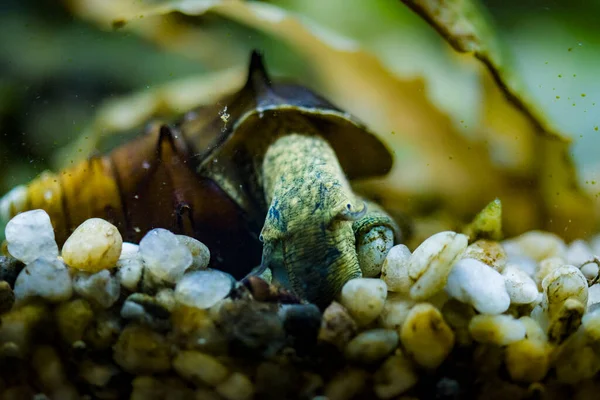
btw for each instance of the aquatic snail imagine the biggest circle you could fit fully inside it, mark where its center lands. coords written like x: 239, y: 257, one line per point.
x: 270, y: 163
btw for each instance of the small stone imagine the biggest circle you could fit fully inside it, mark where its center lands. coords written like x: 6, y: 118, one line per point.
x: 46, y: 278
x: 546, y: 266
x: 200, y: 253
x: 458, y: 315
x: 395, y: 311
x: 236, y: 387
x: 203, y: 289
x: 95, y: 245
x: 7, y: 297
x: 200, y: 368
x: 563, y: 283
x: 593, y: 297
x: 146, y: 309
x: 432, y: 261
x: 520, y: 287
x: 566, y: 320
x: 30, y: 236
x: 426, y: 336
x: 364, y: 299
x: 142, y: 351
x: 49, y: 369
x: 301, y: 323
x: 395, y: 270
x: 346, y: 384
x: 101, y: 288
x: 166, y: 298
x: 395, y: 377
x: 476, y: 283
x: 488, y: 252
x: 590, y: 271
x: 527, y: 360
x: 194, y: 329
x: 372, y: 249
x: 97, y: 374
x: 537, y: 245
x: 496, y: 329
x: 487, y: 224
x: 19, y: 325
x: 164, y: 255
x: 104, y: 331
x: 72, y: 319
x: 372, y: 346
x: 10, y: 268
x: 578, y: 253
x: 130, y: 265
x: 337, y: 326
x: 575, y: 360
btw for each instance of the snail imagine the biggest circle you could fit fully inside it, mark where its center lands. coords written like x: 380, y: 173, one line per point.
x: 272, y: 162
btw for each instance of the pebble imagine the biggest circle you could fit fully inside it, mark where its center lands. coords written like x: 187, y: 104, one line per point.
x: 46, y: 278
x: 500, y: 330
x: 563, y: 283
x: 147, y: 310
x: 337, y: 326
x: 30, y: 235
x: 372, y: 249
x: 395, y: 376
x: 395, y: 270
x: 395, y: 311
x: 458, y: 315
x: 19, y: 325
x: 9, y: 269
x: 130, y: 265
x: 7, y: 297
x: 164, y: 255
x: 364, y: 298
x: 566, y: 321
x: 426, y: 336
x: 97, y: 374
x: 590, y: 271
x: 520, y: 287
x: 371, y: 346
x: 139, y: 350
x: 346, y: 384
x: 578, y: 253
x: 476, y: 283
x: 537, y: 245
x: 302, y: 323
x: 432, y: 261
x: 200, y: 253
x: 200, y: 368
x: 488, y: 252
x: 575, y: 360
x: 236, y: 387
x: 203, y: 289
x: 95, y: 245
x: 593, y: 296
x: 527, y: 360
x: 72, y: 319
x: 100, y: 288
x: 546, y: 266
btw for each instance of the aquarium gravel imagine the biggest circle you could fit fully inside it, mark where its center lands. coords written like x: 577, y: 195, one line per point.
x: 458, y: 317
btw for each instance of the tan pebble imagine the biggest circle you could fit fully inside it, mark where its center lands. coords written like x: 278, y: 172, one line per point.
x: 395, y: 377
x: 147, y: 387
x: 395, y: 311
x: 200, y: 368
x: 18, y: 326
x: 140, y: 350
x: 527, y: 360
x: 72, y: 319
x: 97, y: 374
x: 488, y: 252
x: 432, y: 261
x: 426, y: 336
x: 564, y: 283
x: 337, y: 326
x: 364, y: 299
x: 546, y: 266
x: 372, y: 346
x: 236, y: 387
x: 49, y: 368
x: 565, y: 321
x: 533, y: 330
x: 200, y: 253
x: 496, y: 329
x: 395, y: 270
x: 346, y: 384
x: 575, y: 360
x: 95, y: 245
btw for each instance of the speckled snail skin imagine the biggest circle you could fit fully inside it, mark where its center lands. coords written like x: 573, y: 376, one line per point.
x: 273, y: 155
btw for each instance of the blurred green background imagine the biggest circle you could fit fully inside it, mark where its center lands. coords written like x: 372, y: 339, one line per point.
x: 59, y: 65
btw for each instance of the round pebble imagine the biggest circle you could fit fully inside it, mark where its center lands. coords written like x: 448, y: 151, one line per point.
x: 364, y: 298
x: 30, y: 235
x: 95, y: 245
x: 142, y: 351
x: 496, y: 329
x: 200, y: 253
x: 164, y: 255
x: 578, y: 253
x: 200, y: 368
x: 395, y: 270
x: 372, y: 346
x: 46, y: 278
x: 337, y: 326
x: 203, y: 289
x: 520, y: 287
x: 101, y: 288
x: 395, y: 377
x: 478, y: 284
x: 590, y: 271
x: 395, y: 311
x: 236, y: 387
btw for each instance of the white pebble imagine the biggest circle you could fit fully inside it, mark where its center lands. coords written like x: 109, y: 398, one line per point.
x: 364, y: 299
x: 537, y: 245
x: 30, y: 235
x: 590, y: 271
x: 578, y: 253
x: 372, y: 249
x: 372, y: 346
x: 101, y: 288
x: 95, y: 245
x: 520, y: 287
x: 395, y: 311
x: 130, y: 266
x: 164, y: 255
x: 200, y: 253
x: 432, y: 261
x: 203, y: 289
x: 525, y: 264
x: 496, y: 329
x: 478, y: 284
x: 593, y: 295
x: 395, y: 270
x: 563, y: 283
x: 48, y: 279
